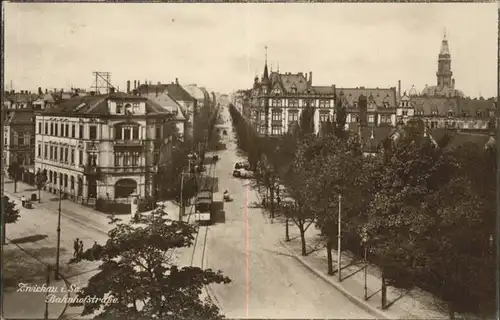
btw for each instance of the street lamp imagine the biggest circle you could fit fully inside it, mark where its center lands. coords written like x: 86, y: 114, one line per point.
x: 56, y: 271
x: 364, y: 239
x: 287, y: 206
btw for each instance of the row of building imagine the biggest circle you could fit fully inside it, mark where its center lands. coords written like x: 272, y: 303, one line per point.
x: 95, y: 145
x: 276, y: 101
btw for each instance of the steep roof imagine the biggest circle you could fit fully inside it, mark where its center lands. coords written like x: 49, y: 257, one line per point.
x: 21, y: 97
x: 441, y: 105
x: 152, y: 88
x: 19, y: 117
x: 98, y: 104
x: 460, y: 138
x: 194, y: 91
x: 323, y: 90
x: 178, y: 93
x: 377, y: 96
x: 472, y: 107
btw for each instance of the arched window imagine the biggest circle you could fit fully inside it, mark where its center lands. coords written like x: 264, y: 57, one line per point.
x: 128, y: 108
x: 119, y: 108
x: 125, y: 187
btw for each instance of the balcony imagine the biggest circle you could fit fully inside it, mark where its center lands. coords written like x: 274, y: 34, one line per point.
x: 91, y: 170
x: 129, y: 143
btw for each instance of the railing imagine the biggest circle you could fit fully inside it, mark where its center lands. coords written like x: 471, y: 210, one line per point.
x: 132, y: 142
x: 91, y: 169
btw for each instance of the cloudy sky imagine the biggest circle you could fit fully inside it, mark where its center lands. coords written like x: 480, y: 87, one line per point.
x: 221, y: 46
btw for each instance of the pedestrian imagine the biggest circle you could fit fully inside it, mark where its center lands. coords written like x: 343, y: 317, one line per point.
x: 23, y: 201
x: 80, y: 248
x: 76, y: 247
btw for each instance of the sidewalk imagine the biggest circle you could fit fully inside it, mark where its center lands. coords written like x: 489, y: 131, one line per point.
x: 415, y: 304
x: 31, y: 246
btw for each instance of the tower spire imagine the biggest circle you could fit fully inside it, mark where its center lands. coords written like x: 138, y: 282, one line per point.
x: 265, y: 47
x: 265, y: 77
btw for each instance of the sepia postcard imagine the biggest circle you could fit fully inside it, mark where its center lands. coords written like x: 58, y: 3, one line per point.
x: 250, y: 160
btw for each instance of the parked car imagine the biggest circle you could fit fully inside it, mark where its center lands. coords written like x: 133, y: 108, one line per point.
x: 242, y: 173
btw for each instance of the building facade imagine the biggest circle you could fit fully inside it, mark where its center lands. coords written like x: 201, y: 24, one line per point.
x: 277, y: 102
x: 102, y: 146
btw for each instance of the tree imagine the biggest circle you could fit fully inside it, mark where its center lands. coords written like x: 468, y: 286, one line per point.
x: 40, y: 181
x: 340, y: 120
x: 10, y: 215
x: 15, y: 172
x: 397, y: 221
x: 137, y: 271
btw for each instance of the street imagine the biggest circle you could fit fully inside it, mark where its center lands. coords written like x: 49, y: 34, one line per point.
x: 266, y: 280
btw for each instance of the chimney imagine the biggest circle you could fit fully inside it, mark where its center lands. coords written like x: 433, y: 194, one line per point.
x: 310, y: 77
x: 399, y: 89
x: 40, y: 90
x: 176, y: 81
x: 112, y: 90
x: 92, y: 93
x: 46, y: 91
x: 128, y: 86
x: 158, y: 83
x: 135, y: 84
x: 156, y: 90
x: 453, y: 83
x: 138, y: 83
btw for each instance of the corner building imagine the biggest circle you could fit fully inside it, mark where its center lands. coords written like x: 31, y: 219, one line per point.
x: 103, y: 146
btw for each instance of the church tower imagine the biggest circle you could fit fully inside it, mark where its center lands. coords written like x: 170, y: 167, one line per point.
x: 444, y: 73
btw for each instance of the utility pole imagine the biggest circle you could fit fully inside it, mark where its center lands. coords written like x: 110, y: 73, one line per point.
x: 56, y: 271
x: 47, y: 282
x: 339, y: 251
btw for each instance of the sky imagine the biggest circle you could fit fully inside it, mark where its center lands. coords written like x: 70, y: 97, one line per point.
x: 222, y: 46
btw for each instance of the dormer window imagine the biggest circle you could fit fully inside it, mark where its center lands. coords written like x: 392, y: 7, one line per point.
x: 119, y: 108
x: 479, y: 113
x: 434, y: 112
x: 386, y: 105
x: 128, y: 108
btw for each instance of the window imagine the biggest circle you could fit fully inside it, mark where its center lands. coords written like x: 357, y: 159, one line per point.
x: 72, y: 156
x: 40, y: 127
x: 56, y: 129
x: 126, y: 133
x: 323, y: 116
x: 60, y: 179
x: 80, y: 157
x: 66, y: 131
x: 135, y: 159
x: 135, y: 108
x: 92, y: 132
x: 262, y: 116
x: 45, y: 148
x: 46, y: 128
x: 63, y: 134
x: 450, y: 113
x: 20, y: 139
x: 324, y: 103
x: 118, y: 133
x: 72, y: 182
x: 118, y: 157
x: 434, y: 112
x: 65, y: 180
x: 276, y: 102
x: 293, y: 103
x: 293, y: 115
x: 276, y: 130
x: 66, y: 155
x: 309, y: 103
x: 119, y: 108
x: 126, y: 159
x: 157, y: 133
x: 80, y: 134
x: 61, y: 154
x: 371, y: 118
x: 128, y: 109
x: 405, y: 112
x: 135, y: 133
x: 479, y: 113
x: 50, y: 176
x: 51, y: 129
x: 39, y: 150
x: 276, y: 116
x: 51, y: 152
x: 73, y: 131
x: 385, y: 119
